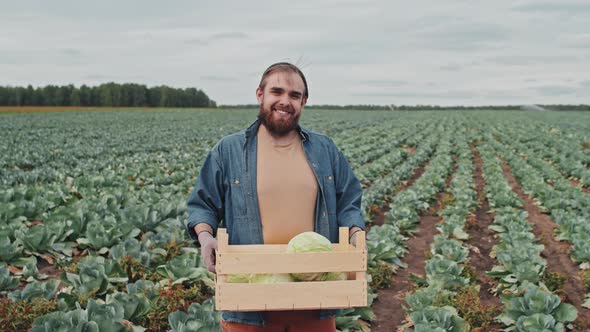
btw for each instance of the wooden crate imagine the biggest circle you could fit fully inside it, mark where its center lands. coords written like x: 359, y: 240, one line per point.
x: 273, y: 258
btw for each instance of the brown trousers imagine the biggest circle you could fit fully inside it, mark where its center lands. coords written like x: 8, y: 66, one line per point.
x: 286, y: 321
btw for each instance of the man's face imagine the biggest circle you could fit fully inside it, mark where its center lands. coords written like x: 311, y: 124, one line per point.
x: 281, y: 101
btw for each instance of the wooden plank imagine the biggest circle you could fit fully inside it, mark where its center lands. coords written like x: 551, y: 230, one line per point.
x: 292, y: 296
x: 336, y: 261
x: 343, y: 233
x: 342, y: 245
x: 256, y: 248
x: 278, y: 248
x: 222, y: 239
x: 361, y: 241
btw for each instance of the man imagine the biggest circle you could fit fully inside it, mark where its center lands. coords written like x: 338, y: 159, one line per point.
x: 271, y: 182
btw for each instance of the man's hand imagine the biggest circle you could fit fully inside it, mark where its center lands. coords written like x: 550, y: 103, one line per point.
x: 208, y: 249
x: 354, y: 231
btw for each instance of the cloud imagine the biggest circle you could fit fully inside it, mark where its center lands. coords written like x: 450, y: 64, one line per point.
x: 504, y: 95
x: 585, y: 84
x: 102, y: 78
x: 385, y: 83
x: 554, y: 90
x: 196, y: 41
x: 97, y: 77
x: 460, y: 34
x: 559, y: 7
x: 229, y: 35
x: 579, y: 40
x: 218, y: 78
x: 72, y: 52
x: 64, y: 56
x: 525, y: 60
x: 421, y: 95
x: 451, y: 67
x: 211, y: 38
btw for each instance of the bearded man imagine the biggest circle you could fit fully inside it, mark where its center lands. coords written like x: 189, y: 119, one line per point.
x: 270, y: 182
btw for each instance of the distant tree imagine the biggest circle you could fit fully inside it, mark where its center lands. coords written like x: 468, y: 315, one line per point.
x: 75, y: 98
x: 85, y: 96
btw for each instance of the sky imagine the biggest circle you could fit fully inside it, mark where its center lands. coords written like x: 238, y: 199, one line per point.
x: 436, y: 52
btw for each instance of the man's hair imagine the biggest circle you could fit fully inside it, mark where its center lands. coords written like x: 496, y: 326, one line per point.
x: 283, y: 67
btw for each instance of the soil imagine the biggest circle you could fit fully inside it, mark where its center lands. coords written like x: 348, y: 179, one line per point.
x: 556, y: 253
x: 576, y: 183
x: 380, y: 215
x: 388, y: 305
x: 410, y: 150
x: 45, y: 267
x: 48, y: 268
x: 481, y: 240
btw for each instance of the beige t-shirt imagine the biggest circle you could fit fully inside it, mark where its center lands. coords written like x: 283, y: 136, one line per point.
x: 287, y: 188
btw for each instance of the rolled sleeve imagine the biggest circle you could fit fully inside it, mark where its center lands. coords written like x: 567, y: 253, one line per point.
x: 348, y: 195
x: 206, y: 202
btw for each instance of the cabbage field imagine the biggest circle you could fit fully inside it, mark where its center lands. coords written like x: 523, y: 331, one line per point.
x: 478, y: 221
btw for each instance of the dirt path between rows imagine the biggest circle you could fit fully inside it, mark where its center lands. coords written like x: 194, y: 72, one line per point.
x: 388, y: 306
x: 380, y: 214
x: 556, y: 253
x: 482, y: 239
x: 577, y: 184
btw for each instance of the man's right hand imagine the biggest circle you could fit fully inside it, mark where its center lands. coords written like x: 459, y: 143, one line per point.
x: 208, y: 250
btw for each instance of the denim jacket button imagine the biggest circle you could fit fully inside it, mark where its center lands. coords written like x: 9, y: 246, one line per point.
x: 330, y: 177
x: 237, y: 182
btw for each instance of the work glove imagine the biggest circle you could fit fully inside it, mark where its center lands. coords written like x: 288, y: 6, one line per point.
x: 352, y: 239
x: 208, y: 250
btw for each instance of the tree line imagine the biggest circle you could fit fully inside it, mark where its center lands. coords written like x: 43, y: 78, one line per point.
x: 104, y: 95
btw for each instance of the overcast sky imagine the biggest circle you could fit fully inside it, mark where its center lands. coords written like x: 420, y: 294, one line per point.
x: 352, y: 51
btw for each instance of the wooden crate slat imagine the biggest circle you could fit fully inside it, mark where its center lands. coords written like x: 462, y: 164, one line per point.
x: 278, y: 248
x: 336, y: 261
x: 291, y: 296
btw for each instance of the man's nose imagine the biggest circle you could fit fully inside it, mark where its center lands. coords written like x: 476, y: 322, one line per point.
x: 284, y: 100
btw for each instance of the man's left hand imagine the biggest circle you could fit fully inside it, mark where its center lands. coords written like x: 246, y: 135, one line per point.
x: 355, y: 232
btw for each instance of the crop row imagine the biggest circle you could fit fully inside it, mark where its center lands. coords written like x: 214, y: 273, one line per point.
x: 528, y: 304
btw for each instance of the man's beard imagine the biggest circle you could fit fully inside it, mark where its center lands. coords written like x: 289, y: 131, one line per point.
x: 277, y: 127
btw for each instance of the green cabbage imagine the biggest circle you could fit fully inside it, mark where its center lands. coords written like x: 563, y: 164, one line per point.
x: 238, y: 278
x: 334, y: 276
x: 271, y: 278
x: 313, y: 242
x: 309, y: 242
x: 265, y: 278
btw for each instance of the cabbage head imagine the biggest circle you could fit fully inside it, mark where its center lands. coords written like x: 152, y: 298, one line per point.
x: 265, y: 278
x: 309, y: 242
x: 313, y: 242
x: 239, y: 278
x: 269, y: 278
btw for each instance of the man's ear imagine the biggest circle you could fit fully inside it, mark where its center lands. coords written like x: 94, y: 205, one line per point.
x: 303, y: 101
x: 259, y: 95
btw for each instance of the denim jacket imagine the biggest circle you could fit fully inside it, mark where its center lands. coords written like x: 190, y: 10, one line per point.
x: 226, y: 190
